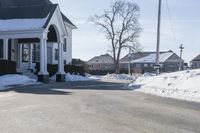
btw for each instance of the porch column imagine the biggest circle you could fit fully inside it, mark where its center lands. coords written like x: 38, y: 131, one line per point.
x: 30, y: 56
x: 43, y: 75
x: 5, y: 49
x: 60, y: 77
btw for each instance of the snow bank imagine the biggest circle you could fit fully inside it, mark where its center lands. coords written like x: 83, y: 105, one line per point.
x: 8, y: 81
x: 182, y: 85
x: 71, y: 77
x: 118, y: 77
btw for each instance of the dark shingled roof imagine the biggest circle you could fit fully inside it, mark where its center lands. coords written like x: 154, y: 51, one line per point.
x: 13, y: 9
x: 26, y: 12
x: 20, y: 3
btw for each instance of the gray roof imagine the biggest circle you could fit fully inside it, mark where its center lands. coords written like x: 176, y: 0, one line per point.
x: 196, y: 58
x: 138, y: 55
x: 25, y: 9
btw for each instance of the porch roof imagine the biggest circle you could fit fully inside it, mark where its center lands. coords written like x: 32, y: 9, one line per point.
x: 25, y: 18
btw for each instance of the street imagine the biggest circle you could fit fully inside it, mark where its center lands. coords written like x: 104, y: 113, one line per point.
x: 93, y: 107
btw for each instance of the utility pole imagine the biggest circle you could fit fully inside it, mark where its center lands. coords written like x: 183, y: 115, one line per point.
x: 181, y: 54
x: 129, y: 61
x: 157, y: 66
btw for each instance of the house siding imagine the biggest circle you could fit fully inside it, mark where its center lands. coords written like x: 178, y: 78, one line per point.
x: 195, y: 64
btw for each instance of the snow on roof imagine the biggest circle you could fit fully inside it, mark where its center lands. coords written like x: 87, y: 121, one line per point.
x: 152, y: 57
x: 22, y: 24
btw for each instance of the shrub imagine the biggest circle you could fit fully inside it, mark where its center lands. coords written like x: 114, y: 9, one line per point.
x: 53, y: 69
x: 8, y: 67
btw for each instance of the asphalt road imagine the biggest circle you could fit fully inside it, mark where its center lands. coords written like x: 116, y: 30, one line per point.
x: 93, y: 107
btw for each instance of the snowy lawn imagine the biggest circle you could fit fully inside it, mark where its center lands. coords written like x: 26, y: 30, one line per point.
x: 73, y: 77
x: 7, y: 81
x: 181, y: 85
x: 118, y: 77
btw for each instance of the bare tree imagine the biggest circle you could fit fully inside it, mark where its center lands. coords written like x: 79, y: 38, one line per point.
x: 121, y: 27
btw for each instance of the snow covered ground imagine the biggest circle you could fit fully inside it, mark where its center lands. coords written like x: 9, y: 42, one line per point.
x: 8, y: 81
x: 181, y: 85
x: 118, y: 77
x: 73, y: 77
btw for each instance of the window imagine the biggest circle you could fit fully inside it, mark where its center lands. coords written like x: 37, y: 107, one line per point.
x: 25, y: 52
x: 36, y: 53
x: 138, y: 65
x: 145, y: 65
x: 1, y: 48
x: 65, y: 62
x: 56, y: 54
x: 65, y: 45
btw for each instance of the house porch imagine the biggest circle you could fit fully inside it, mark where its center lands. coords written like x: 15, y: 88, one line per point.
x: 36, y: 42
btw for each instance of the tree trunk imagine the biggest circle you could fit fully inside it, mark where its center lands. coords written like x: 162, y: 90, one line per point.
x: 117, y: 67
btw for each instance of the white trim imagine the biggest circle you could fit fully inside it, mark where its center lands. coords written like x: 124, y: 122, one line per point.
x: 22, y: 34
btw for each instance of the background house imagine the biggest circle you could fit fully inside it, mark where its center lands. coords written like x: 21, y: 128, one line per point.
x: 102, y: 64
x: 35, y: 31
x: 145, y: 61
x: 195, y: 63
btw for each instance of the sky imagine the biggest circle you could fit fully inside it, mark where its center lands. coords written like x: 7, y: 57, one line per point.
x: 180, y: 24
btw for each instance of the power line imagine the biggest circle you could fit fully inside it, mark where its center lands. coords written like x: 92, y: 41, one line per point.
x: 171, y: 23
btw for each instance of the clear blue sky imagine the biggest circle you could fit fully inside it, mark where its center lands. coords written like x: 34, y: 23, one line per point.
x: 184, y: 28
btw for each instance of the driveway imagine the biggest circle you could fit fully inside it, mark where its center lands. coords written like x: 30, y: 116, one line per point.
x: 93, y: 107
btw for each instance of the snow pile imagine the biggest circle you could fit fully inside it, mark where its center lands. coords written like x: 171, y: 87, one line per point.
x: 182, y: 85
x: 72, y: 77
x: 118, y: 77
x: 93, y: 77
x: 8, y: 81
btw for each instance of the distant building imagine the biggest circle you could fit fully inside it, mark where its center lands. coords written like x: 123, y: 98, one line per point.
x: 102, y: 63
x: 195, y: 63
x: 145, y: 61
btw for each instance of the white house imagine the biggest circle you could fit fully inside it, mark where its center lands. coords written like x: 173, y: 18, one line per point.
x: 35, y: 31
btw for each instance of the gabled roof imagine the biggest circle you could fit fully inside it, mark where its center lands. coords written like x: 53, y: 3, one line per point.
x: 196, y: 58
x: 106, y: 58
x: 151, y: 58
x: 138, y: 55
x: 67, y: 20
x: 22, y: 5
